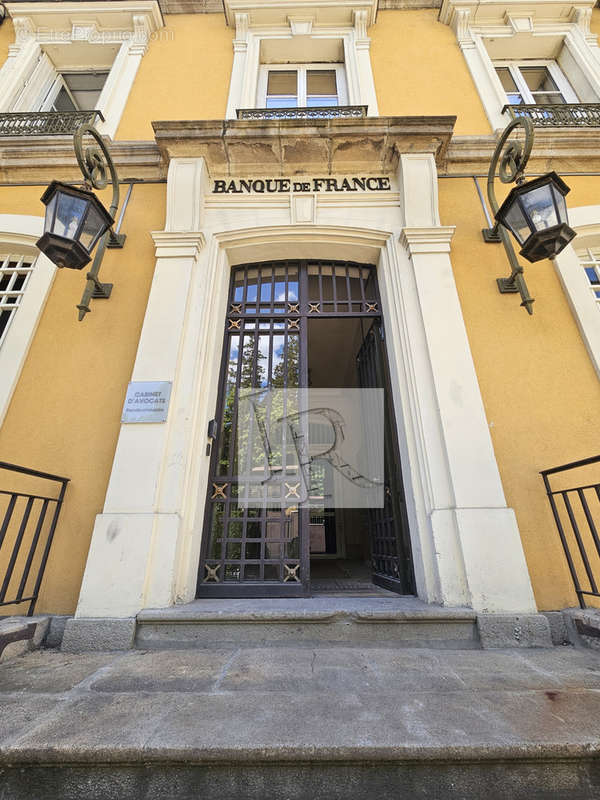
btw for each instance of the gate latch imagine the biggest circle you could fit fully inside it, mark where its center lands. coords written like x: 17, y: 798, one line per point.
x: 211, y: 434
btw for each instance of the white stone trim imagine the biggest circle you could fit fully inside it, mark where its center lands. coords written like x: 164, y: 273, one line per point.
x: 19, y: 233
x: 473, y: 22
x: 244, y: 85
x: 586, y: 222
x: 27, y: 74
x: 466, y: 545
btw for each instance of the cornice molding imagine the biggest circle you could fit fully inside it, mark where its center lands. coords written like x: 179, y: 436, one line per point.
x: 498, y: 12
x: 104, y: 16
x: 40, y: 159
x: 567, y: 150
x: 427, y: 240
x: 323, y: 12
x: 299, y: 147
x: 178, y: 244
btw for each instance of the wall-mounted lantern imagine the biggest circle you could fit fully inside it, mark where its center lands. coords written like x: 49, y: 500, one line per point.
x: 76, y: 220
x: 535, y: 211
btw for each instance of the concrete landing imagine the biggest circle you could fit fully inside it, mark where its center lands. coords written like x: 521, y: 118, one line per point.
x: 301, y: 723
x: 387, y: 619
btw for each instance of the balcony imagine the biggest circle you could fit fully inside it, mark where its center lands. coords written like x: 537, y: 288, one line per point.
x: 316, y: 112
x: 45, y: 123
x: 565, y: 115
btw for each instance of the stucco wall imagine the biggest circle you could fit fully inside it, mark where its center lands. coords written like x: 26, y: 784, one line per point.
x: 419, y: 70
x: 184, y: 74
x: 539, y: 388
x: 65, y: 412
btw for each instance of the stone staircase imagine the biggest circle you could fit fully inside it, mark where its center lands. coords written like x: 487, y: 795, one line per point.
x: 386, y: 620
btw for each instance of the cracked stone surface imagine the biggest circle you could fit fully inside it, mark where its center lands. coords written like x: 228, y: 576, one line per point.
x: 330, y: 702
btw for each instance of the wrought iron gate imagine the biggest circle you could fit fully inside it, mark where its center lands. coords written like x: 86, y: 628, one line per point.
x: 263, y: 550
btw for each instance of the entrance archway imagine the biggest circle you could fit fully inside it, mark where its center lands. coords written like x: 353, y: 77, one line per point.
x: 292, y: 325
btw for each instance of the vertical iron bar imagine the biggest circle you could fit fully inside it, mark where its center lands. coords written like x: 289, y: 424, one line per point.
x: 7, y: 517
x: 589, y: 518
x: 42, y: 567
x: 32, y: 549
x: 16, y: 547
x: 563, y: 539
x: 579, y: 540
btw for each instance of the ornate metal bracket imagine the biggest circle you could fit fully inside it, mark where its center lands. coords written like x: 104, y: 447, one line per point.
x: 97, y: 168
x: 512, y: 166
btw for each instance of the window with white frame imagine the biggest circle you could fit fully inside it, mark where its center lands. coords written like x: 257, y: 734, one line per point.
x: 302, y: 86
x: 15, y: 271
x: 534, y: 83
x: 75, y: 91
x: 76, y: 57
x: 590, y: 261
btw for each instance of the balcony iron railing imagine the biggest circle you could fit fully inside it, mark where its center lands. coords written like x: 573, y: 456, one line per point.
x: 576, y: 511
x: 45, y: 123
x: 29, y: 515
x: 565, y: 115
x: 316, y: 112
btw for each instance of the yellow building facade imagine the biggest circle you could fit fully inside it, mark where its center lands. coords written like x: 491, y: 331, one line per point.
x: 484, y: 395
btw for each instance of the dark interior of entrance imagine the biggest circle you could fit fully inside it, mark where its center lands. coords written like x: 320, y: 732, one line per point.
x: 340, y: 551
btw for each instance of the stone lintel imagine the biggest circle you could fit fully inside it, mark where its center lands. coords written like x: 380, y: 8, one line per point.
x: 295, y: 147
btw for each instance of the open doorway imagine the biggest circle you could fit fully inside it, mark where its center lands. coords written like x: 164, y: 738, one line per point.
x: 351, y: 549
x: 294, y: 325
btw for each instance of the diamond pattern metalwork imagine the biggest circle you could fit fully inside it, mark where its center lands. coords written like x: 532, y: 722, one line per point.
x: 212, y: 573
x: 234, y: 324
x: 292, y: 490
x: 219, y: 491
x: 293, y: 324
x: 291, y: 573
x: 314, y: 308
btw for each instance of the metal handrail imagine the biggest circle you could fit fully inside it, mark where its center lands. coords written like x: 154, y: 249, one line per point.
x: 559, y: 115
x: 305, y: 112
x: 581, y: 542
x: 45, y: 123
x: 25, y: 525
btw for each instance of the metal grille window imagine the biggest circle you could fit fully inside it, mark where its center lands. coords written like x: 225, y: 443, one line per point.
x: 14, y: 277
x: 535, y: 83
x: 590, y: 261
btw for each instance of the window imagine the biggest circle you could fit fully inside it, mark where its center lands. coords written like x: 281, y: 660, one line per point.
x: 590, y: 261
x: 534, y: 83
x: 75, y: 91
x: 300, y: 86
x: 15, y: 271
x: 79, y: 57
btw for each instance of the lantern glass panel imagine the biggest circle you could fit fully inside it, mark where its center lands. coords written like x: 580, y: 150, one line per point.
x: 539, y: 206
x: 92, y: 228
x: 561, y: 204
x: 517, y: 222
x: 69, y: 214
x: 50, y: 213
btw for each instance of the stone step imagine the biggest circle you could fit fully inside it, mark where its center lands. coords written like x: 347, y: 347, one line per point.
x: 19, y: 635
x: 392, y: 621
x: 298, y: 723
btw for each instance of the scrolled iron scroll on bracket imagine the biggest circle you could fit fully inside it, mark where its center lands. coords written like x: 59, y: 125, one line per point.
x: 97, y: 168
x: 512, y: 167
